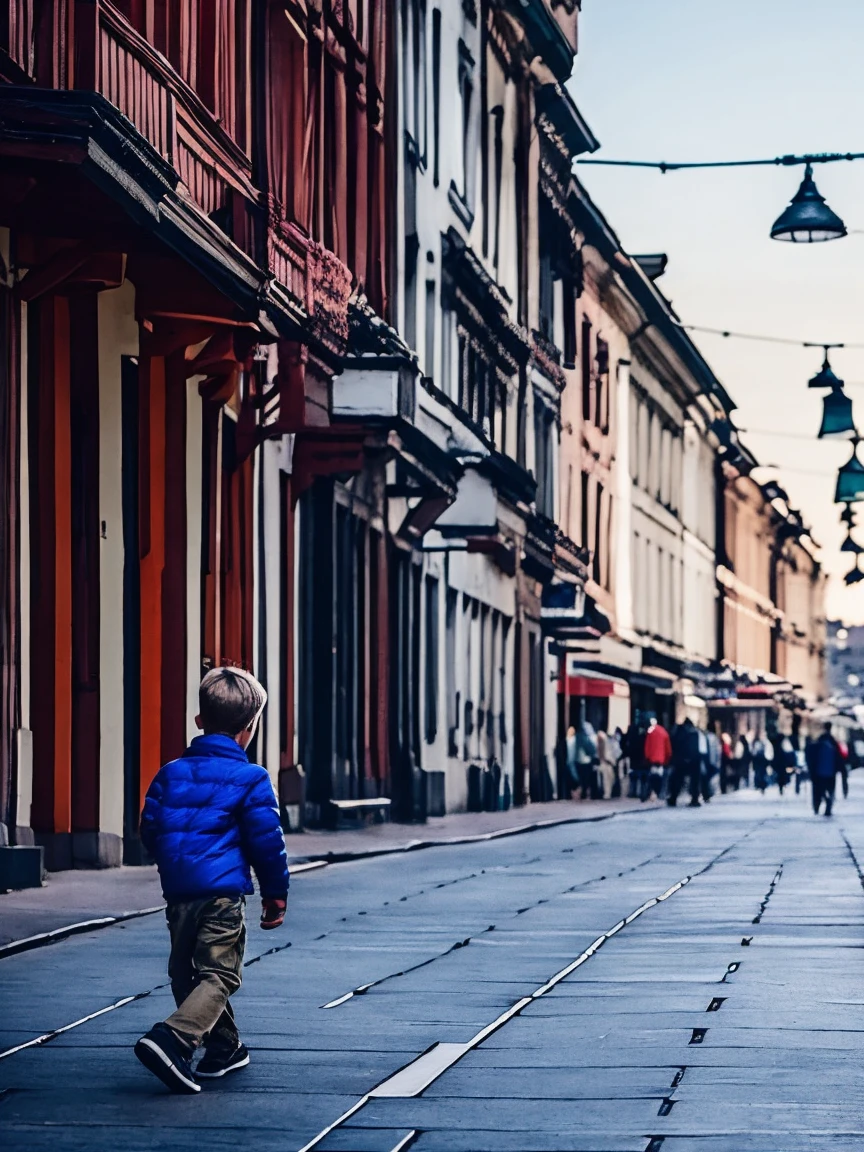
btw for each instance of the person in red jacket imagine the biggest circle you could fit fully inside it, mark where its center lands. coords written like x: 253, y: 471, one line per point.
x: 658, y: 755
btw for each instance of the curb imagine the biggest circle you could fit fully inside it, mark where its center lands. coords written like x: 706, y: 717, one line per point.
x: 310, y: 863
x: 14, y: 947
x: 41, y: 939
x: 478, y: 838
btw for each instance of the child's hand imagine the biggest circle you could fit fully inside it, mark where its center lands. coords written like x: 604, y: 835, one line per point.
x: 273, y: 913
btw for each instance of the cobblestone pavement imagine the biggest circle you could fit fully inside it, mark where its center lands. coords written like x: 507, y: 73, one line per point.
x: 679, y: 980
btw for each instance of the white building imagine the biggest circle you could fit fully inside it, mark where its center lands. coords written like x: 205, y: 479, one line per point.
x: 487, y: 131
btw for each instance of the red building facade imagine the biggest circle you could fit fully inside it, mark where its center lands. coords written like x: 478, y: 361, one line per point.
x: 189, y: 195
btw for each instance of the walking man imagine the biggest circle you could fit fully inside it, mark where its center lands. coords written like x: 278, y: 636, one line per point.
x: 687, y: 764
x: 658, y: 756
x: 824, y: 760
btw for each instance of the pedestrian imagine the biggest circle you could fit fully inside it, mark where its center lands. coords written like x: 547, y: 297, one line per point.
x: 634, y: 751
x: 824, y: 761
x: 687, y: 764
x: 781, y: 759
x: 713, y: 763
x: 571, y: 746
x: 207, y: 818
x: 762, y: 752
x: 658, y: 757
x: 801, y: 766
x: 742, y: 762
x: 616, y: 750
x: 608, y: 752
x: 844, y: 767
x: 586, y: 760
x: 726, y: 762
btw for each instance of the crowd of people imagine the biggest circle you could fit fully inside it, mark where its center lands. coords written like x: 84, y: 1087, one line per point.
x: 647, y: 760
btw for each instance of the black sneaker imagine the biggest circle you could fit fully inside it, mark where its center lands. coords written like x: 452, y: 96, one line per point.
x: 221, y: 1061
x: 163, y: 1053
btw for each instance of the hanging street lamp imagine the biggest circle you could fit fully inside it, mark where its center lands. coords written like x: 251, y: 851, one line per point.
x: 850, y: 479
x: 808, y: 219
x: 825, y: 377
x: 837, y: 422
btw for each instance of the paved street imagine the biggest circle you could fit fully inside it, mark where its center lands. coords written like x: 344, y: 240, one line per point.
x: 674, y: 979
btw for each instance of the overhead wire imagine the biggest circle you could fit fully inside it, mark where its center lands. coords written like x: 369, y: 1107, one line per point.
x: 786, y: 161
x: 727, y: 333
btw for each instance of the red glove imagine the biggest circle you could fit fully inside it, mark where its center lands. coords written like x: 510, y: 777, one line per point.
x: 272, y: 912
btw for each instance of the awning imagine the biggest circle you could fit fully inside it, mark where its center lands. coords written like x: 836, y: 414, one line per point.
x: 588, y: 683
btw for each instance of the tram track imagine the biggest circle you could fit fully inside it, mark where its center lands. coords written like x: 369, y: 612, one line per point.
x: 48, y: 1036
x: 413, y: 1078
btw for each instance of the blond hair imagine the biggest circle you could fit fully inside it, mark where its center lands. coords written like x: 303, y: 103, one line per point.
x: 230, y: 700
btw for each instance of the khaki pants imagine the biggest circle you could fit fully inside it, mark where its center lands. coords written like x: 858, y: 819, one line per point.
x: 208, y: 938
x: 607, y: 776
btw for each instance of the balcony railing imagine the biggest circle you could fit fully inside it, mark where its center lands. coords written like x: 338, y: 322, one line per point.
x: 115, y: 60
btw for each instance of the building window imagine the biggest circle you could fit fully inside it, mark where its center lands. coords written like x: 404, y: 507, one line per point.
x: 453, y: 666
x: 586, y: 370
x: 644, y: 439
x: 429, y: 336
x: 544, y: 421
x: 436, y: 94
x: 546, y: 243
x: 599, y: 542
x: 497, y: 115
x: 602, y: 386
x: 569, y: 325
x: 462, y: 197
x: 414, y: 50
x: 584, y: 540
x: 431, y: 661
x: 481, y: 393
x: 450, y: 355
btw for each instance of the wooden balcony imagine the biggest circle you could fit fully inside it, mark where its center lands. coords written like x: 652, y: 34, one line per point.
x: 314, y: 277
x: 115, y: 60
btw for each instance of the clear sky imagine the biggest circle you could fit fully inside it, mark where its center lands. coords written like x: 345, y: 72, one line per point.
x: 741, y: 79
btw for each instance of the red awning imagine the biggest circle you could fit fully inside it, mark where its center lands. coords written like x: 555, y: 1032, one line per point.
x: 592, y: 686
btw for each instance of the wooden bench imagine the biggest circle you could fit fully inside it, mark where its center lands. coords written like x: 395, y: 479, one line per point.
x: 350, y: 813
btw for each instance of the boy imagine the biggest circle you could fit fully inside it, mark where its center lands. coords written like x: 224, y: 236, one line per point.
x: 207, y: 817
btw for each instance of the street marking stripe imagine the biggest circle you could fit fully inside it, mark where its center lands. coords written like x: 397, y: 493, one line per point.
x: 345, y: 1116
x: 420, y: 1073
x: 43, y: 1039
x: 341, y: 1000
x: 406, y: 1142
x: 430, y: 1065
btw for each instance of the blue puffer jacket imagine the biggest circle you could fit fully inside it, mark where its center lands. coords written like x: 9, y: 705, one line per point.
x: 210, y: 815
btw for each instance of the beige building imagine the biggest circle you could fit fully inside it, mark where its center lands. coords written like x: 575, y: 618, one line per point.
x: 771, y: 585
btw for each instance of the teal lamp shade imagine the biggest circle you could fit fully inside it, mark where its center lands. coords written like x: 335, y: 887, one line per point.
x: 808, y: 219
x: 850, y: 480
x: 837, y: 422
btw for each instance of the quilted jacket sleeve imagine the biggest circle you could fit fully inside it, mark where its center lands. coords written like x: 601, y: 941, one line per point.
x: 262, y: 837
x: 150, y: 815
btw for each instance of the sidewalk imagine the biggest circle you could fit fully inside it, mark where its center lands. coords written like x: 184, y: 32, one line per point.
x: 79, y: 896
